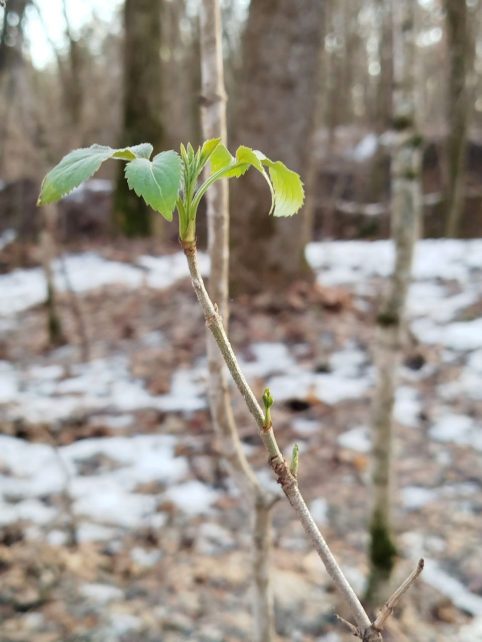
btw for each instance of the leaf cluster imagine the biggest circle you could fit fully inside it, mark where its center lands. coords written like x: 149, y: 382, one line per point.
x: 173, y: 180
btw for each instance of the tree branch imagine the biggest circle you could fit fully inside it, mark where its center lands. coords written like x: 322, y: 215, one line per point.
x: 364, y: 629
x: 278, y: 464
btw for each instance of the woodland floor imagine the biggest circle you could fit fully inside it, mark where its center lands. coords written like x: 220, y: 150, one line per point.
x: 118, y: 522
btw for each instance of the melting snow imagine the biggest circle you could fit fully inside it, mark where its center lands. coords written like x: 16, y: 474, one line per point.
x: 22, y: 289
x: 458, y: 429
x: 192, y: 497
x: 357, y: 439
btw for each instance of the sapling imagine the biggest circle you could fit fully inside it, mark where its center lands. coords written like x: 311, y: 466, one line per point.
x: 259, y: 500
x: 173, y: 181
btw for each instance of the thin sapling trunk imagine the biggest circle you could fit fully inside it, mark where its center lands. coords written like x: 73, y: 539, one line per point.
x: 213, y: 113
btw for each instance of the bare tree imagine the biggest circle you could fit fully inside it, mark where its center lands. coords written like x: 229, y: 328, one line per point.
x: 406, y: 210
x: 214, y: 126
x: 275, y: 112
x: 460, y: 51
x: 142, y: 102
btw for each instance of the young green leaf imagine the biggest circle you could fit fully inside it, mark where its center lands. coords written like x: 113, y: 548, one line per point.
x: 221, y: 158
x: 79, y: 165
x: 207, y: 149
x: 73, y: 169
x: 254, y: 158
x: 158, y: 182
x: 144, y: 150
x: 223, y: 162
x: 288, y: 188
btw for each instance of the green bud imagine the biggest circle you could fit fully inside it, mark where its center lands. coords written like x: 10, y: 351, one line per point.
x: 295, y: 460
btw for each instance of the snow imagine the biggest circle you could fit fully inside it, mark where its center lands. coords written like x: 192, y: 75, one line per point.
x: 306, y: 427
x: 460, y: 336
x: 319, y: 508
x: 352, y: 262
x: 408, y: 406
x: 107, y: 497
x: 357, y: 439
x: 366, y: 148
x: 7, y: 237
x: 40, y: 394
x: 327, y: 388
x: 452, y: 588
x: 192, y: 497
x: 268, y: 358
x: 105, y: 475
x: 457, y: 429
x: 101, y: 593
x: 21, y: 289
x: 471, y: 632
x: 415, y: 497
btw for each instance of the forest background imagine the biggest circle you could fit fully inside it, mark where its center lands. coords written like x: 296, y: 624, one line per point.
x: 100, y: 341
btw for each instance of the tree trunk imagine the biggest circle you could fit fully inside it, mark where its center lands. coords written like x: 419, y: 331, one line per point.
x: 214, y: 126
x: 11, y: 38
x: 278, y: 97
x: 406, y: 211
x: 458, y: 110
x: 142, y: 104
x: 48, y: 252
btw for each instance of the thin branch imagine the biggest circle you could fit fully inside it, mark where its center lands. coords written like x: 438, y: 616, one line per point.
x: 392, y: 602
x: 280, y: 467
x: 364, y: 629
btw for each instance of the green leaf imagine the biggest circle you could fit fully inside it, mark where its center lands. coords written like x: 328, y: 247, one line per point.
x: 221, y: 158
x: 207, y: 149
x: 73, y: 169
x: 288, y: 188
x: 157, y: 181
x: 80, y: 164
x: 144, y: 150
x: 254, y: 158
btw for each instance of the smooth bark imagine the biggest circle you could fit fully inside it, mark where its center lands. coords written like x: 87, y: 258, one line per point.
x: 405, y: 220
x: 213, y: 114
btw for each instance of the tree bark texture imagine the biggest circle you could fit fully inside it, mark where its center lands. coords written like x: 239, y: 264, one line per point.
x: 213, y: 115
x: 276, y: 113
x: 142, y: 104
x: 406, y: 211
x: 458, y: 109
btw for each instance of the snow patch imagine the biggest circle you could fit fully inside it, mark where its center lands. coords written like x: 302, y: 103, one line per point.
x: 192, y: 497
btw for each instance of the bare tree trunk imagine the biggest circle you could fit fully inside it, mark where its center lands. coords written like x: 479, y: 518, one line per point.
x: 458, y: 110
x: 214, y: 126
x: 406, y: 210
x: 142, y: 104
x: 276, y: 113
x: 73, y: 90
x: 47, y: 244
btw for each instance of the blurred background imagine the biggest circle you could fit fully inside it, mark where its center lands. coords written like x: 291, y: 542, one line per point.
x: 117, y: 519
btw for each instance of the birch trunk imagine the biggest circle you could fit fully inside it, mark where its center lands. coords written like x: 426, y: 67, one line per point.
x: 214, y: 126
x: 406, y: 209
